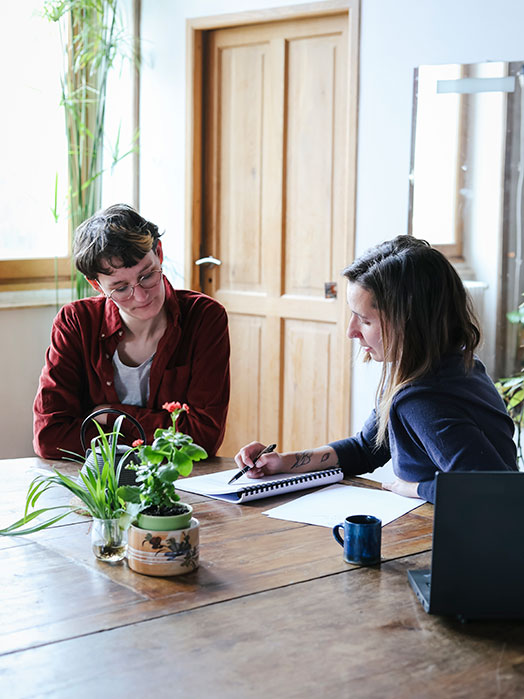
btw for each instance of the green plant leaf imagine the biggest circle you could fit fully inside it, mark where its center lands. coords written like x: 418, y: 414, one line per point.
x: 127, y: 517
x: 168, y: 474
x: 195, y: 452
x: 516, y: 316
x: 181, y: 460
x: 129, y: 493
x: 153, y: 456
x: 15, y: 528
x: 186, y: 469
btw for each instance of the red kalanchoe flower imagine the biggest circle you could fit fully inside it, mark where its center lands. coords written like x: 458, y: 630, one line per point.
x: 185, y: 407
x: 137, y: 443
x: 171, y: 407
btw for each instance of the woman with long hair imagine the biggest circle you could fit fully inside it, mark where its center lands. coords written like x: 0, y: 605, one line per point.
x: 436, y: 409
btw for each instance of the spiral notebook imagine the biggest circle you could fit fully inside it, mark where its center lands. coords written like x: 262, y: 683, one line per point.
x: 215, y: 485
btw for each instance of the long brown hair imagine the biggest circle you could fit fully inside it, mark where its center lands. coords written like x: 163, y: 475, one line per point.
x: 425, y: 313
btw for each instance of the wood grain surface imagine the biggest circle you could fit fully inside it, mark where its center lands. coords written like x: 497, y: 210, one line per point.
x: 359, y: 634
x: 273, y: 611
x: 61, y: 590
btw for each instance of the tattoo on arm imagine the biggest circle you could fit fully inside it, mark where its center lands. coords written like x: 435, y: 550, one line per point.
x: 325, y: 457
x: 303, y: 458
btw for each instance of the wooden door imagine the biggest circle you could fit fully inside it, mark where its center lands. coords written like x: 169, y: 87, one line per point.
x: 278, y: 199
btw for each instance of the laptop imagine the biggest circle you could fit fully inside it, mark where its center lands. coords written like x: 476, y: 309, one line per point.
x: 477, y: 565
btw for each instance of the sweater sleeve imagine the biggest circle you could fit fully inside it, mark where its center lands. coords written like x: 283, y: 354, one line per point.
x: 359, y: 454
x: 432, y: 433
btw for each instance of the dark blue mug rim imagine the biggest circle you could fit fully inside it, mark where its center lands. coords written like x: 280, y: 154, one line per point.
x: 362, y: 519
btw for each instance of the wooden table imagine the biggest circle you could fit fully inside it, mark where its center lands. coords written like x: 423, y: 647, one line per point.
x: 272, y: 611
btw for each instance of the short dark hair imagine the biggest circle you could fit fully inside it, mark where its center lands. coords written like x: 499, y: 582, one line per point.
x: 425, y: 312
x: 116, y: 236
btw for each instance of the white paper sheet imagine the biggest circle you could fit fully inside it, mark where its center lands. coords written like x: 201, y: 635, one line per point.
x: 331, y: 505
x: 217, y: 483
x: 211, y: 483
x: 383, y: 474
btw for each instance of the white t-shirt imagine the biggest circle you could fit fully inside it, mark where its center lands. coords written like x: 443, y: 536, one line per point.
x: 132, y: 382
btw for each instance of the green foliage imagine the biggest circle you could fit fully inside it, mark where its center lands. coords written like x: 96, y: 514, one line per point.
x: 97, y: 490
x: 511, y: 388
x: 171, y: 455
x: 512, y: 391
x: 92, y: 39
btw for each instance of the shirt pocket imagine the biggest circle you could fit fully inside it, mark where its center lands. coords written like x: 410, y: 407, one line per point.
x: 174, y: 383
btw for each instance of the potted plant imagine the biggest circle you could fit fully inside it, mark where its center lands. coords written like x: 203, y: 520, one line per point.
x: 511, y: 388
x: 164, y: 539
x: 96, y: 489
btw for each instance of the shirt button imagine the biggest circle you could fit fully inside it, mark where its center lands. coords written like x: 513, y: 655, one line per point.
x: 108, y: 383
x: 103, y: 335
x: 107, y: 356
x: 120, y: 332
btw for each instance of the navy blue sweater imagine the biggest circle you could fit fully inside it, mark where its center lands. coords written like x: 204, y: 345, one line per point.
x: 450, y: 420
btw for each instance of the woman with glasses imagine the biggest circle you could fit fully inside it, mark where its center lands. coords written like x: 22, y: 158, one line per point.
x: 135, y: 346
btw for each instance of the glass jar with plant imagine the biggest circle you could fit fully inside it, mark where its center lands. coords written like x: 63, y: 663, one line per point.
x: 164, y: 539
x: 95, y: 491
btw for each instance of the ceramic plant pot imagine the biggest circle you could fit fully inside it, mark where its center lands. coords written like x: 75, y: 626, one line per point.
x: 157, y: 523
x: 163, y: 552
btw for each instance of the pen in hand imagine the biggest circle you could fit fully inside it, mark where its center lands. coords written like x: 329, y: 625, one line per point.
x: 267, y: 450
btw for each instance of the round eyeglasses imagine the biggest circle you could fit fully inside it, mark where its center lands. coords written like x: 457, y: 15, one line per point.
x: 146, y: 281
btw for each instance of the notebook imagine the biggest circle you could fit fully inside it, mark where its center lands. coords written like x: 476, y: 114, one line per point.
x: 215, y: 485
x: 477, y: 564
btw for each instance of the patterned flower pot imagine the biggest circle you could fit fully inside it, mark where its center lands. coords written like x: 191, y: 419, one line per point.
x: 163, y: 553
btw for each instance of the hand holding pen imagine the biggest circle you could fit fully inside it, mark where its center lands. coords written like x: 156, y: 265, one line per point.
x: 266, y: 450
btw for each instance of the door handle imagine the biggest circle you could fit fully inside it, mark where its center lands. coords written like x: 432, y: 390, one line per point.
x: 209, y: 261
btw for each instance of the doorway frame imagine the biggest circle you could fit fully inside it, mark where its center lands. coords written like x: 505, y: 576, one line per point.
x: 196, y: 30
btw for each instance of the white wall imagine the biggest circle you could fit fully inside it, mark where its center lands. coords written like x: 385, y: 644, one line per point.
x: 25, y: 337
x: 163, y: 112
x: 395, y: 38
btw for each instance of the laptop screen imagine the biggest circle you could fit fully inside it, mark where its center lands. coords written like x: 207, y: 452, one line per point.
x: 478, y: 545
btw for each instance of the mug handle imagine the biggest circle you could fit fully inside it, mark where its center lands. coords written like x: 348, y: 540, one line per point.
x: 336, y: 533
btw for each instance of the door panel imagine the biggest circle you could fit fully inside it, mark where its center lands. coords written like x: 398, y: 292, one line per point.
x: 277, y: 210
x: 241, y: 93
x: 308, y: 381
x: 312, y: 126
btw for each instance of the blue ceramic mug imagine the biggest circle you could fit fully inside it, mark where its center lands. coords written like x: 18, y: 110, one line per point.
x: 362, y: 539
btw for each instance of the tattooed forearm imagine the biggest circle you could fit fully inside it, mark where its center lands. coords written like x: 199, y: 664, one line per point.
x: 302, y: 459
x: 325, y: 457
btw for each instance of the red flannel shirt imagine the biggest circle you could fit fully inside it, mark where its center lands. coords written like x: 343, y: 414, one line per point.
x: 191, y: 365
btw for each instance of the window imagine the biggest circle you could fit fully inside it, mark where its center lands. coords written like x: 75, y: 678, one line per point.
x: 436, y: 169
x: 458, y: 155
x: 33, y: 150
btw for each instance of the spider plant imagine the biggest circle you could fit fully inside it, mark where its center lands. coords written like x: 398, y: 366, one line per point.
x: 96, y: 489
